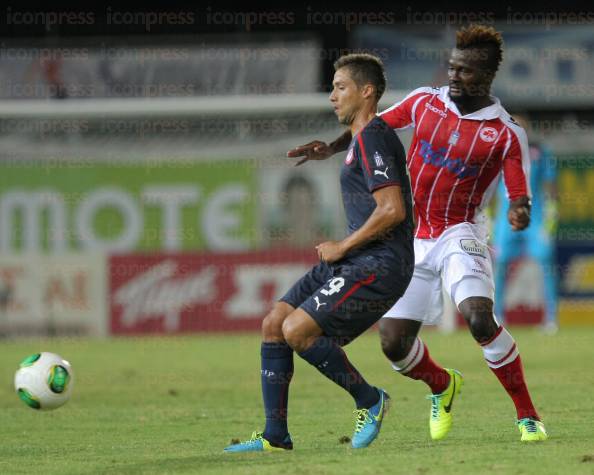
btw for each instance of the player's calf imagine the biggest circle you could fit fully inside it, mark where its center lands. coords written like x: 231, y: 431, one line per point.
x: 397, y: 337
x: 503, y: 358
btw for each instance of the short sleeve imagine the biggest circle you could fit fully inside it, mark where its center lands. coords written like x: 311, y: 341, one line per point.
x: 378, y: 157
x: 402, y: 114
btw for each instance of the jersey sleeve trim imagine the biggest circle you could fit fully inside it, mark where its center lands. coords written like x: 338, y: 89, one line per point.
x: 363, y: 154
x: 384, y: 185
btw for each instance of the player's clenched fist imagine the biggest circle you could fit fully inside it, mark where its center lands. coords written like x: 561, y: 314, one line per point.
x: 519, y: 214
x: 315, y: 150
x: 330, y: 251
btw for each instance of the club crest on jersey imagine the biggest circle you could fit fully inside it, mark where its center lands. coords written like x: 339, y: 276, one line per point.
x: 489, y: 134
x: 350, y: 156
x: 453, y: 140
x: 379, y: 162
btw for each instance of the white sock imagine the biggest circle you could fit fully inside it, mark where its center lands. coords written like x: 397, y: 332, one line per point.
x: 412, y: 359
x: 500, y: 350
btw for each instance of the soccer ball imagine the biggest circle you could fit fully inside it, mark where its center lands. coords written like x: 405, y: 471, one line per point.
x: 44, y: 381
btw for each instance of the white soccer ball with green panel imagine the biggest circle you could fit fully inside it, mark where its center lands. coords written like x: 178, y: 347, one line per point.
x: 44, y: 381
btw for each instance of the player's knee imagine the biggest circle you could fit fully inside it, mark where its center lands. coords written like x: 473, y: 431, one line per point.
x: 478, y: 313
x: 273, y: 323
x: 395, y: 344
x: 291, y: 331
x: 392, y: 348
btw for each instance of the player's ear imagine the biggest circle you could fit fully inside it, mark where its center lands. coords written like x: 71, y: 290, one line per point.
x: 368, y: 91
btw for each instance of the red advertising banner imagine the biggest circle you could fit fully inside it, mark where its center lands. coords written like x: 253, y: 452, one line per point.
x: 192, y: 292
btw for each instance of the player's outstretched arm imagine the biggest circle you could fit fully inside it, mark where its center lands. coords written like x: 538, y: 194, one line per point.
x: 389, y: 212
x: 318, y: 150
x: 519, y: 213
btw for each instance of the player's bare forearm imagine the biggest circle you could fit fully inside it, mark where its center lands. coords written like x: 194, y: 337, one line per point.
x: 342, y: 142
x: 318, y: 150
x: 389, y: 212
x: 381, y: 221
x: 519, y: 213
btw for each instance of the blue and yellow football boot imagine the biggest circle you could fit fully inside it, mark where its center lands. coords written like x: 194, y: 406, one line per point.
x: 369, y: 421
x: 259, y: 444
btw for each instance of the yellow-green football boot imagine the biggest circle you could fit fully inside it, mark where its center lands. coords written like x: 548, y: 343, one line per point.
x: 532, y: 430
x: 440, y: 419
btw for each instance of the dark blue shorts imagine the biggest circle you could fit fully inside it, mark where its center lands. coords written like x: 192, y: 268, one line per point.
x: 348, y: 298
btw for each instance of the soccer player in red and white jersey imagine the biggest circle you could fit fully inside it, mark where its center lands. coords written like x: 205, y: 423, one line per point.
x: 463, y: 141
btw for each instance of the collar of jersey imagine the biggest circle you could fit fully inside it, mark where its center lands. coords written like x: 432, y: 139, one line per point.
x: 486, y: 113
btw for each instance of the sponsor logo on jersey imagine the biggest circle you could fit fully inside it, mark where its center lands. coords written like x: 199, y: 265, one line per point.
x: 488, y: 134
x: 438, y: 158
x: 473, y: 247
x: 453, y: 140
x: 383, y: 173
x: 318, y: 303
x: 432, y: 108
x: 379, y: 162
x: 350, y: 156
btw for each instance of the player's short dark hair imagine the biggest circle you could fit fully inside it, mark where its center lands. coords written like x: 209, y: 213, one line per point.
x: 365, y: 69
x: 482, y: 37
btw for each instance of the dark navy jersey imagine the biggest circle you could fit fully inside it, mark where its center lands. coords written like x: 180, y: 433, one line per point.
x: 376, y: 159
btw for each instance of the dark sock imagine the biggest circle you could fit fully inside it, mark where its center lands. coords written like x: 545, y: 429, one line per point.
x: 277, y: 371
x: 332, y: 362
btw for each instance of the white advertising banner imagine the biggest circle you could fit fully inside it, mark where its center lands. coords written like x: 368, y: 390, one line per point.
x: 60, y: 294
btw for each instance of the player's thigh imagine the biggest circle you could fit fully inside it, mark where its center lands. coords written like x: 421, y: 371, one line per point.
x: 350, y: 302
x: 468, y: 277
x: 307, y: 285
x: 295, y: 296
x: 422, y: 301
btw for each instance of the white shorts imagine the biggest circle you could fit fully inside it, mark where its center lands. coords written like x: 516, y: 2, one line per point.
x: 459, y: 260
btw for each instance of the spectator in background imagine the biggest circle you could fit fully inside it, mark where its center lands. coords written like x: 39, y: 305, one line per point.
x: 298, y: 220
x: 538, y: 240
x: 301, y: 200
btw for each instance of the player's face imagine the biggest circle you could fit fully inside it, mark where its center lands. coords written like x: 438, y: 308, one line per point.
x: 346, y: 96
x: 468, y: 76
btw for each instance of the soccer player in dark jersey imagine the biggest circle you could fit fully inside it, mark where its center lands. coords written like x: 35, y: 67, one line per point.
x: 346, y: 293
x: 464, y: 141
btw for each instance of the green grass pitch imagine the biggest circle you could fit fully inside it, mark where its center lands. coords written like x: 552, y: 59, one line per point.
x: 170, y: 405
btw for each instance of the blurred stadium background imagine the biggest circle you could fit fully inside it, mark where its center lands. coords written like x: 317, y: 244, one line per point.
x: 143, y: 184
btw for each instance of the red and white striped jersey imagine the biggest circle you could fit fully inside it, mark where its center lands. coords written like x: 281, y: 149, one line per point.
x: 455, y: 160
